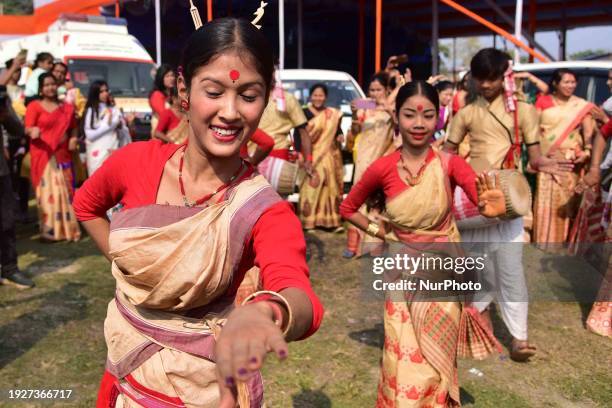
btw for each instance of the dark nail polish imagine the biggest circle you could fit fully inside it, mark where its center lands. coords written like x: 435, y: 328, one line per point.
x: 282, y: 353
x: 253, y: 360
x: 242, y: 371
x: 229, y: 381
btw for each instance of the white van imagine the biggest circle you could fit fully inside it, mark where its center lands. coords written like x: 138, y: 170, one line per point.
x: 342, y: 89
x: 592, y: 77
x: 341, y: 86
x: 96, y: 48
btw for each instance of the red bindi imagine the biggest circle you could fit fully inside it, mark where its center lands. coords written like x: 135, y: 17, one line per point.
x: 234, y: 75
x: 419, y: 108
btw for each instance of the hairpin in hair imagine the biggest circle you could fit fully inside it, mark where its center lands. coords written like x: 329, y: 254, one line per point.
x: 259, y: 14
x: 195, y: 15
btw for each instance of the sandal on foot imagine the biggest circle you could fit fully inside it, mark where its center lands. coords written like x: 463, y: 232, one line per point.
x: 521, y: 351
x: 348, y: 254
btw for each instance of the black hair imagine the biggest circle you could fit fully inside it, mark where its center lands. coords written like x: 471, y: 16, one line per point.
x: 60, y: 63
x: 462, y: 84
x: 489, y: 64
x: 228, y: 34
x: 320, y: 86
x: 158, y: 82
x: 41, y: 80
x: 417, y: 88
x: 42, y: 56
x: 557, y: 76
x: 93, y: 102
x: 444, y: 85
x: 381, y: 77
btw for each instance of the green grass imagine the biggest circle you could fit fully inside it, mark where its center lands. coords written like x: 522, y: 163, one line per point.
x: 52, y: 337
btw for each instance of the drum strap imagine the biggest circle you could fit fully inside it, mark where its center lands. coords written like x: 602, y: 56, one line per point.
x: 510, y: 161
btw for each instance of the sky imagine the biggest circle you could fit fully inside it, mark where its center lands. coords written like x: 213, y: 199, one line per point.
x: 578, y: 39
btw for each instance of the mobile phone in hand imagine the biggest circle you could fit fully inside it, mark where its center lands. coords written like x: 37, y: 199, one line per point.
x: 365, y: 103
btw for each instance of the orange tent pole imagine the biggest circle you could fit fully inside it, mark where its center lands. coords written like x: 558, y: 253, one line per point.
x: 209, y: 10
x: 117, y: 12
x: 495, y: 29
x: 361, y: 40
x: 378, y: 50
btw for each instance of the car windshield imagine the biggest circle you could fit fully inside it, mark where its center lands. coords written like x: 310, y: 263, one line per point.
x: 339, y: 92
x: 125, y: 79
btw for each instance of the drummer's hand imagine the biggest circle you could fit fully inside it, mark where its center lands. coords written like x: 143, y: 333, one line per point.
x: 491, y: 199
x: 248, y: 336
x: 554, y: 166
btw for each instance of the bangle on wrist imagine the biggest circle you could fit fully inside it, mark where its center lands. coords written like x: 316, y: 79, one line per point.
x: 309, y: 158
x: 373, y: 229
x: 275, y: 300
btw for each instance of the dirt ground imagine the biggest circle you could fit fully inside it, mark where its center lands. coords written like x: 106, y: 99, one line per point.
x: 51, y: 338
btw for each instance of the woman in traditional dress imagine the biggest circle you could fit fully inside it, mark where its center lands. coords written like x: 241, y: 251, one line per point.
x: 566, y: 131
x: 599, y: 320
x: 104, y: 127
x: 195, y: 218
x: 445, y: 93
x: 421, y: 337
x: 51, y: 126
x: 321, y: 192
x: 164, y: 82
x: 172, y: 122
x: 371, y: 134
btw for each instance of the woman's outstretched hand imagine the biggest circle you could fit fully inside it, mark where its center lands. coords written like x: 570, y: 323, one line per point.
x: 491, y: 199
x: 247, y: 337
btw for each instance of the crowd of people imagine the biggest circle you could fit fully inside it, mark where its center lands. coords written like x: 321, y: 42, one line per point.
x: 206, y: 198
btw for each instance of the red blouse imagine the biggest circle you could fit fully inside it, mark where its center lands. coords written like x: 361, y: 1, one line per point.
x: 544, y: 102
x: 132, y: 175
x: 167, y: 121
x: 37, y: 116
x: 263, y: 140
x: 383, y: 175
x: 157, y: 100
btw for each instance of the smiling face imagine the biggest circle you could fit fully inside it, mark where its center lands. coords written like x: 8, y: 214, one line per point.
x: 417, y: 121
x: 566, y: 86
x: 377, y: 92
x: 49, y: 88
x: 318, y: 98
x: 223, y: 113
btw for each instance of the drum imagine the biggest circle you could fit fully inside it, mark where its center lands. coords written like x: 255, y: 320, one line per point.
x: 518, y: 201
x: 281, y: 174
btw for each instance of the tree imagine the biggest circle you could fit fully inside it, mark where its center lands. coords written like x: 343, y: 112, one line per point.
x: 587, y: 54
x: 18, y: 7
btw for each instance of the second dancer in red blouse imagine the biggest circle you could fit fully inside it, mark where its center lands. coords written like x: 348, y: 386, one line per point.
x: 421, y: 337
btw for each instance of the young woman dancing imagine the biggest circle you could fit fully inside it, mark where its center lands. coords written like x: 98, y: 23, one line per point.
x: 421, y: 337
x: 196, y: 217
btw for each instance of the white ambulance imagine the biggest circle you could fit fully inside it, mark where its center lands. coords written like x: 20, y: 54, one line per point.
x: 96, y: 48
